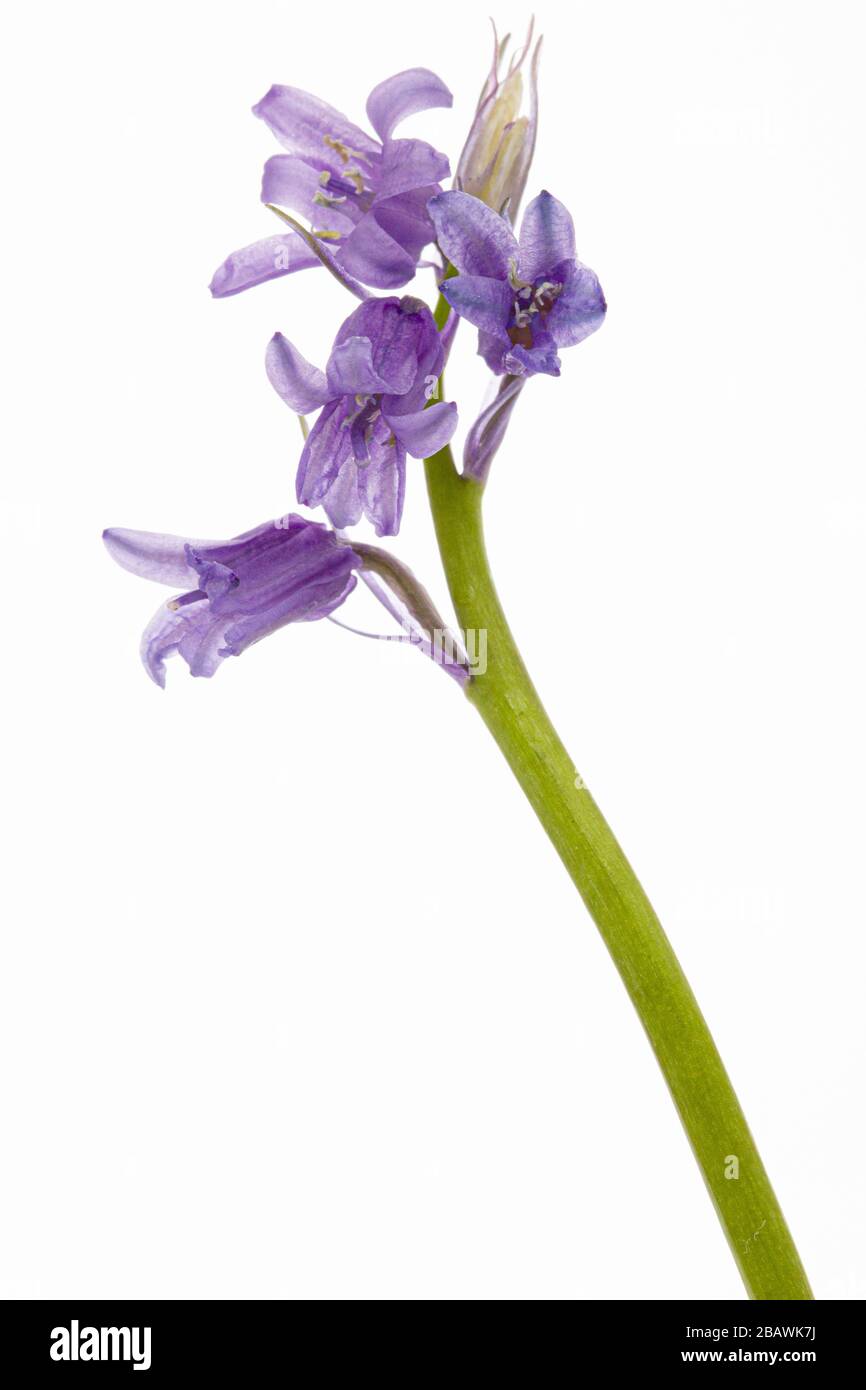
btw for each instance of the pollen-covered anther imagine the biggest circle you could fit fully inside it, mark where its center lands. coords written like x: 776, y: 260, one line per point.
x: 520, y: 287
x: 343, y: 152
x: 328, y: 200
x: 546, y: 295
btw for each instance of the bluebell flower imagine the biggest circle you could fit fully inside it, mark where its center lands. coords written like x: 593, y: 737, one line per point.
x: 365, y: 196
x: 376, y: 407
x: 529, y: 297
x: 234, y: 592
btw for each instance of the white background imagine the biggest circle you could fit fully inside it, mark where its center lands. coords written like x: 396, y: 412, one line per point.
x: 296, y: 999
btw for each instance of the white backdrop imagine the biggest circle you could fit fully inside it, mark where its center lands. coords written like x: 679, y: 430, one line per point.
x: 296, y: 999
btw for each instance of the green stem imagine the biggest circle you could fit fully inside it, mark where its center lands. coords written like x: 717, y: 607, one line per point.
x: 708, y: 1107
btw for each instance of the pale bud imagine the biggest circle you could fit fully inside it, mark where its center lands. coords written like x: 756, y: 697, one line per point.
x: 496, y: 157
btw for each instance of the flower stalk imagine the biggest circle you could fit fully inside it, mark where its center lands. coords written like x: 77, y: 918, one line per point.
x: 373, y: 204
x: 508, y: 703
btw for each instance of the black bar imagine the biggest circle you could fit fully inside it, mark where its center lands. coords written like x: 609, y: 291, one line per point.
x: 241, y: 1341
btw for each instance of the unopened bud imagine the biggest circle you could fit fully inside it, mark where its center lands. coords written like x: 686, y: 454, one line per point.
x: 496, y: 157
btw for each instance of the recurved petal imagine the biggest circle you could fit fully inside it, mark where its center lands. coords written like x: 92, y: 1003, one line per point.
x: 262, y: 261
x: 473, y: 237
x: 417, y: 89
x: 301, y: 385
x: 424, y: 432
x: 481, y: 300
x: 546, y: 237
x: 305, y: 125
x: 580, y: 308
x: 151, y: 555
x: 191, y: 630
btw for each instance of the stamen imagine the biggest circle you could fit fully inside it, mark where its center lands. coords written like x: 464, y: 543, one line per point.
x: 514, y: 279
x: 327, y: 200
x: 195, y: 596
x: 345, y: 152
x: 546, y: 295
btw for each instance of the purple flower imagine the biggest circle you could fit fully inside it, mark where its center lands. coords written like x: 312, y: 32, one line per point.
x: 367, y: 197
x: 381, y: 373
x: 526, y: 298
x: 288, y: 571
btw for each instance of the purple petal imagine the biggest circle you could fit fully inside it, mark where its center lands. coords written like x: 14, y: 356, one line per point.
x: 292, y: 183
x: 303, y: 573
x: 351, y: 371
x: 342, y: 501
x: 405, y: 219
x: 305, y: 125
x: 382, y: 487
x: 191, y: 631
x: 400, y: 331
x: 301, y: 385
x: 403, y: 95
x: 371, y: 255
x: 408, y: 164
x: 473, y: 237
x: 424, y: 432
x: 546, y: 237
x: 540, y: 358
x: 264, y: 260
x: 492, y: 347
x: 150, y: 555
x: 327, y: 450
x: 482, y: 301
x: 580, y: 308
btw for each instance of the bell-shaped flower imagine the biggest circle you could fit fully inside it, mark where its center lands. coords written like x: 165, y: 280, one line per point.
x: 377, y: 405
x: 527, y: 297
x: 234, y: 592
x: 365, y: 196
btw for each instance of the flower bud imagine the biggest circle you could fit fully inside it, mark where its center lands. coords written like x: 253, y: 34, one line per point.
x: 496, y: 157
